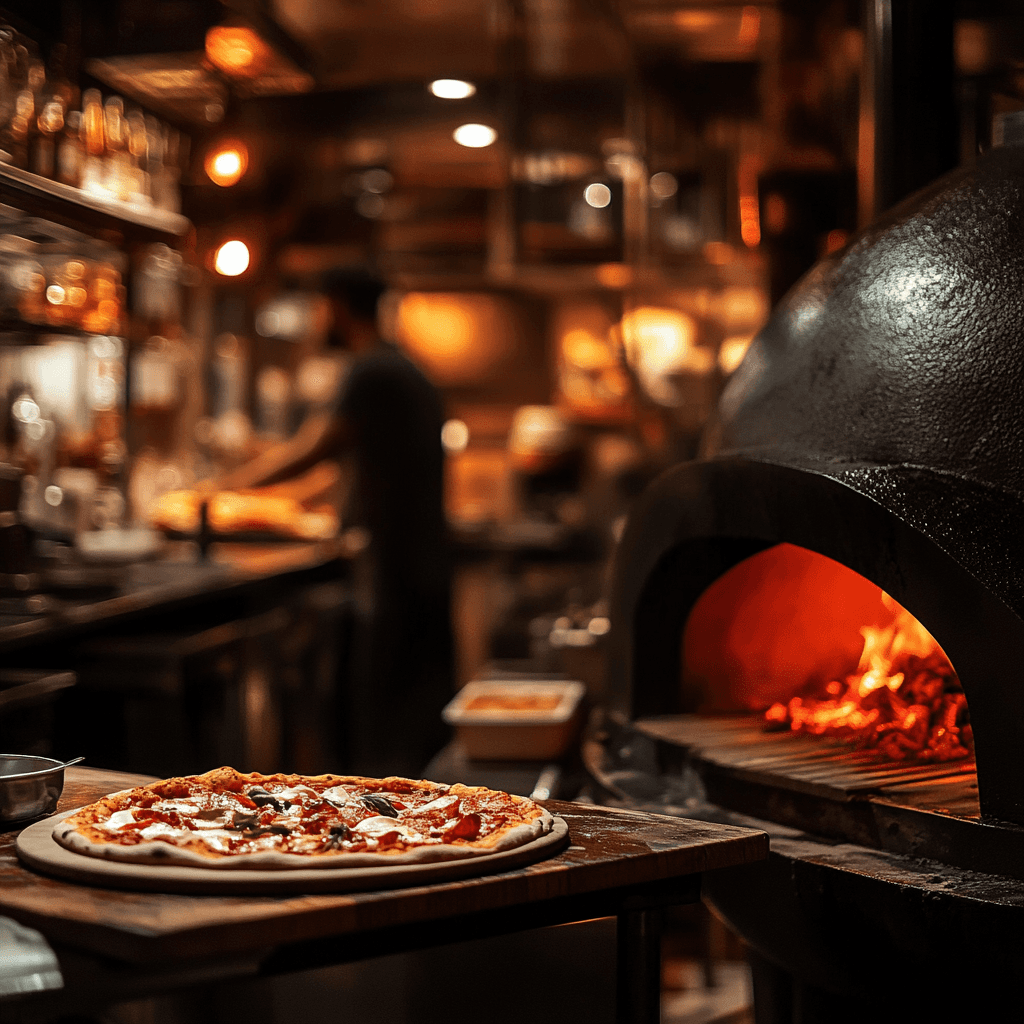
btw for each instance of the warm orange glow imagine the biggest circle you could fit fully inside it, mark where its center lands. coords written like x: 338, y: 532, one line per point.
x: 750, y: 214
x: 732, y: 351
x: 237, y: 50
x: 225, y: 164
x: 718, y: 253
x: 750, y: 27
x: 586, y: 351
x: 232, y: 258
x: 827, y: 652
x: 750, y: 222
x: 614, y: 275
x: 592, y: 383
x: 835, y: 240
x: 659, y: 340
x: 904, y: 700
x: 457, y: 337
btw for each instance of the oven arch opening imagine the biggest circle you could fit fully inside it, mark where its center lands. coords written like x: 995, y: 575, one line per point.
x: 699, y: 519
x: 816, y: 648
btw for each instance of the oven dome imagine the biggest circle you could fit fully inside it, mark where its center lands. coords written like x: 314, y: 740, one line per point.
x: 905, y: 347
x: 877, y: 420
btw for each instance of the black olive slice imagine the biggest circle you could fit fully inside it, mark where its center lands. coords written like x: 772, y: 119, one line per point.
x: 380, y: 804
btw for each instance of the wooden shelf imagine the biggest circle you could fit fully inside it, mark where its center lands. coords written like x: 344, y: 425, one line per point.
x: 77, y: 209
x: 29, y: 333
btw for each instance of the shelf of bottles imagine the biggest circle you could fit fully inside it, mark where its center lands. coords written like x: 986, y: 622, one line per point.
x: 83, y: 158
x: 84, y: 181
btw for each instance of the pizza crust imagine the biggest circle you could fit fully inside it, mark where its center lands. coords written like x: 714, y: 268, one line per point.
x: 82, y: 831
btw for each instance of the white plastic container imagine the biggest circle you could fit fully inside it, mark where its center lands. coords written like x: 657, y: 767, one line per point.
x: 516, y: 720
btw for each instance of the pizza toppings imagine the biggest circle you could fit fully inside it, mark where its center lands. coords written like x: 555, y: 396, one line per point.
x: 225, y: 814
x: 380, y: 804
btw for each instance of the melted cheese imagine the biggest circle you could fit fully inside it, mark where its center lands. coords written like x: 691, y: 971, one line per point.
x: 117, y: 820
x: 381, y: 825
x: 337, y: 795
x: 448, y: 805
x: 298, y: 794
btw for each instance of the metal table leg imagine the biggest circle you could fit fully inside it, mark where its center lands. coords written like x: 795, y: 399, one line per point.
x: 638, y: 990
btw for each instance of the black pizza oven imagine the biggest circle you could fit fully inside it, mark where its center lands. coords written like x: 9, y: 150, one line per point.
x: 877, y: 420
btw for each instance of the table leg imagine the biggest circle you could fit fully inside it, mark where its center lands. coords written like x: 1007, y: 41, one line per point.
x: 638, y: 991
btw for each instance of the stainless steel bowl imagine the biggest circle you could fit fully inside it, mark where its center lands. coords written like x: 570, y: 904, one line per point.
x: 30, y: 786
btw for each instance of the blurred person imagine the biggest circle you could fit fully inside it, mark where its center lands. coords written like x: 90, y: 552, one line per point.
x: 384, y: 427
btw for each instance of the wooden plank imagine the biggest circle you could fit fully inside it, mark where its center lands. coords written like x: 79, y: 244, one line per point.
x: 799, y: 761
x: 610, y: 850
x: 66, y: 204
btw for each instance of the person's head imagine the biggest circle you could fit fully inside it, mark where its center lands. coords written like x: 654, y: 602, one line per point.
x: 354, y: 293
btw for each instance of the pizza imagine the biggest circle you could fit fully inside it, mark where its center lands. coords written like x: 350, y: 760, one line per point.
x: 231, y: 512
x: 228, y: 819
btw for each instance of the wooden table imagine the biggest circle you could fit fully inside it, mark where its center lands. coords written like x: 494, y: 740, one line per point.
x: 117, y: 945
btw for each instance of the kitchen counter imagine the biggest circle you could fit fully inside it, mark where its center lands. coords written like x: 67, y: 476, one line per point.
x: 89, y: 596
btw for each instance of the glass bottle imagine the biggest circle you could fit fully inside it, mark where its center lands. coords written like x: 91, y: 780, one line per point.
x: 117, y: 159
x: 50, y: 125
x: 55, y: 102
x: 139, y: 189
x: 22, y: 129
x: 8, y: 89
x: 93, y: 178
x: 71, y: 150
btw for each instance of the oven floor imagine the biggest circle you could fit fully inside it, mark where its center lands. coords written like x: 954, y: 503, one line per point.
x: 819, y: 766
x: 685, y: 762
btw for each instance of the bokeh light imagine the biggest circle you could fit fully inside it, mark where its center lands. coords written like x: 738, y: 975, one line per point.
x: 232, y: 258
x: 225, y: 164
x: 452, y: 88
x: 474, y: 136
x: 236, y: 49
x: 454, y: 436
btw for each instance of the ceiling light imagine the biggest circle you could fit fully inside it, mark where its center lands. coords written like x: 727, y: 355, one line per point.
x: 474, y: 136
x: 226, y: 163
x: 597, y: 195
x: 452, y: 88
x: 232, y: 258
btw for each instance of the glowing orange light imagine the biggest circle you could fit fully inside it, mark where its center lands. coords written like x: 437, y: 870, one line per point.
x: 225, y: 164
x: 750, y: 214
x: 750, y: 222
x: 614, y: 275
x: 835, y: 240
x: 232, y: 258
x: 750, y: 27
x: 904, y: 700
x: 236, y: 49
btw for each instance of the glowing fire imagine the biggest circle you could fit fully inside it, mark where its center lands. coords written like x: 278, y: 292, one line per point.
x: 904, y: 700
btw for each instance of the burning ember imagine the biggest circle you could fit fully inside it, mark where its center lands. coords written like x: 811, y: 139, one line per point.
x: 904, y: 700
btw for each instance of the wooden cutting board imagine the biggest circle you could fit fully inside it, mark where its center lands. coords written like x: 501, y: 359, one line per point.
x: 37, y: 849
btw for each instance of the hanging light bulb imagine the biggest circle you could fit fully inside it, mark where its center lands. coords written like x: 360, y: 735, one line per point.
x: 226, y: 163
x: 232, y: 258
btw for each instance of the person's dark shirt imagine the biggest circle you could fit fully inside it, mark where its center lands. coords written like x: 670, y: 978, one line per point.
x: 393, y: 418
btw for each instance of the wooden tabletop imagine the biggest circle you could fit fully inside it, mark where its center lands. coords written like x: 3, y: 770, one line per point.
x: 610, y: 851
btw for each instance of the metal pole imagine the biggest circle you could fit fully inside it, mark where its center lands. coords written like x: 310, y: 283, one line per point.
x: 638, y: 992
x: 909, y: 130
